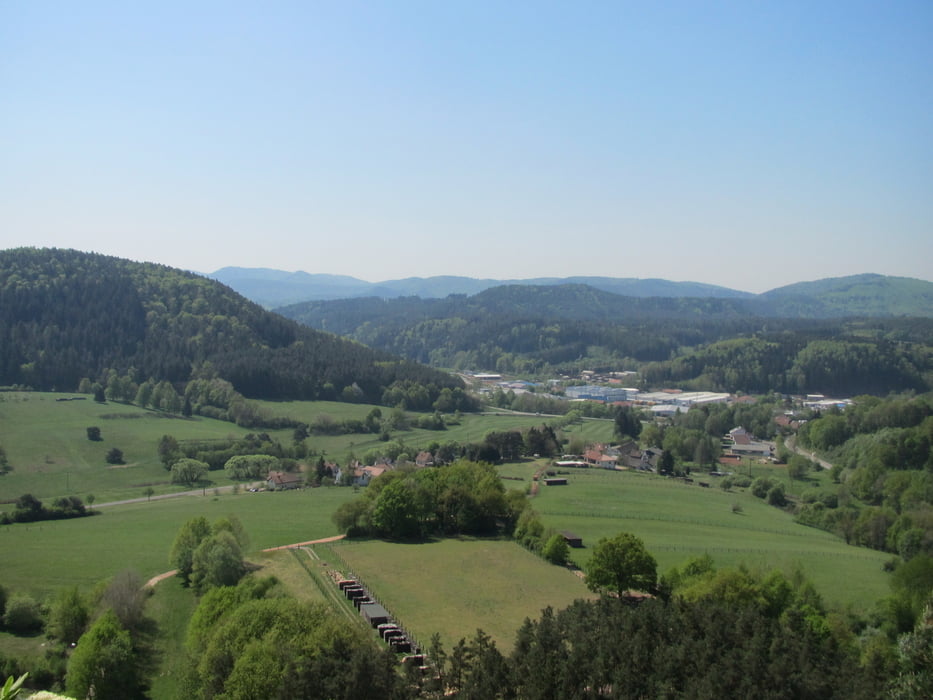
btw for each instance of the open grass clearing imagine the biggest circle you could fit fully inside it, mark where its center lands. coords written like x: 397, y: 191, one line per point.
x: 171, y: 606
x: 454, y: 586
x: 41, y: 558
x: 678, y: 521
x: 47, y: 445
x: 46, y: 441
x: 291, y: 569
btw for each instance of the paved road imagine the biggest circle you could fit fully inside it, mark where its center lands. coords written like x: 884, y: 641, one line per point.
x: 209, y: 491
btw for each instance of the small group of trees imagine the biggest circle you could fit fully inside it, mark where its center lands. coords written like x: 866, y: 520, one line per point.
x: 210, y: 555
x: 460, y: 498
x: 530, y: 533
x: 105, y: 629
x: 29, y: 509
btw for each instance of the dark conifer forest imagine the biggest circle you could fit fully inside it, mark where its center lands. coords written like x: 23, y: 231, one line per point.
x: 67, y: 315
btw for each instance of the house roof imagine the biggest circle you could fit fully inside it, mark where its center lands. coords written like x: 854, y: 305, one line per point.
x: 283, y: 478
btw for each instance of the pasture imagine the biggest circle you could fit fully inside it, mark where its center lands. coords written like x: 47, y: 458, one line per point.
x: 454, y: 586
x: 678, y: 521
x: 471, y: 427
x: 46, y: 441
x: 47, y: 446
x: 40, y: 558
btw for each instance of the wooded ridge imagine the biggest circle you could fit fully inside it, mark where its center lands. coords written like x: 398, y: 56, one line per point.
x: 67, y: 315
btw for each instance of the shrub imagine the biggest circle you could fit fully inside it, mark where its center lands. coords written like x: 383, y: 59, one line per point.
x: 761, y: 486
x: 115, y: 456
x: 556, y: 550
x: 23, y: 614
x: 776, y: 496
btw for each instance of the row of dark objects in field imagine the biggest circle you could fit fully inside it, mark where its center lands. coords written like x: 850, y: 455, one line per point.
x: 379, y: 618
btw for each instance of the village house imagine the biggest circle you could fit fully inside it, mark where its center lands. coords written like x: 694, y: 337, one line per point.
x: 284, y: 481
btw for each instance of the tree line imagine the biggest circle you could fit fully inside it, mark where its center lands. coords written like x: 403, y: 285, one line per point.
x: 882, y: 454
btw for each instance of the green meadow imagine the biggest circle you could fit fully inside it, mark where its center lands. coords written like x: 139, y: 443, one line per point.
x: 454, y: 586
x: 42, y: 557
x: 46, y: 444
x: 469, y: 428
x: 46, y: 441
x: 451, y: 587
x: 677, y: 521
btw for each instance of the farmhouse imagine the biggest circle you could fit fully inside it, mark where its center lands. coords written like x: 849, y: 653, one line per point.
x: 284, y: 481
x: 600, y: 456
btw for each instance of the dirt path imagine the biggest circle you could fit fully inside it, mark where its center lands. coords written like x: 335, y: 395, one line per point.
x: 168, y: 574
x: 161, y: 577
x: 323, y: 540
x: 792, y: 444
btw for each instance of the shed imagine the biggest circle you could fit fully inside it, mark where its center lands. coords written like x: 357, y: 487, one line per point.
x: 558, y: 481
x: 572, y: 539
x: 375, y: 614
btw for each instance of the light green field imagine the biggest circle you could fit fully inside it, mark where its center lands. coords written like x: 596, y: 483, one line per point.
x: 46, y: 443
x: 171, y: 606
x: 678, y: 521
x: 471, y: 428
x: 455, y: 586
x: 42, y: 557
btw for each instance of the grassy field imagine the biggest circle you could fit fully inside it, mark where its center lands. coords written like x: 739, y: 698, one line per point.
x: 455, y: 586
x: 678, y: 521
x: 171, y: 606
x: 46, y: 441
x: 42, y: 557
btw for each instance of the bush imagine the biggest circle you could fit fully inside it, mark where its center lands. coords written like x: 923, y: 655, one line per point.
x: 115, y: 456
x: 556, y: 550
x: 23, y: 614
x: 742, y: 481
x: 726, y: 484
x: 93, y: 434
x: 761, y: 486
x: 776, y: 496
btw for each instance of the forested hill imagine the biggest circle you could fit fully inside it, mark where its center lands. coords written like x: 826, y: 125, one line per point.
x: 856, y: 295
x: 689, y: 342
x: 66, y: 315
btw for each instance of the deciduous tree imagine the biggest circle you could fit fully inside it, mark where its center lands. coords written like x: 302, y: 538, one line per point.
x: 103, y: 664
x: 620, y: 564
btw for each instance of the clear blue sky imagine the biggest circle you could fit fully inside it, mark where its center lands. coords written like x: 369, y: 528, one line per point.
x: 749, y: 144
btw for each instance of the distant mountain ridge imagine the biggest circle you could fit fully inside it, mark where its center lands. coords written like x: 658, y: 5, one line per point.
x: 275, y: 288
x: 855, y: 295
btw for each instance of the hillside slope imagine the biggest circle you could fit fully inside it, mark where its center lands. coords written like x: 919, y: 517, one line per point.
x: 65, y: 315
x: 856, y: 295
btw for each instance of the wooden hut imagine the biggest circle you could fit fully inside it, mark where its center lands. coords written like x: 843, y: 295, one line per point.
x: 572, y: 539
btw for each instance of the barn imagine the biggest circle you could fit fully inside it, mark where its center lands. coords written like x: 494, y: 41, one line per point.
x: 572, y: 539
